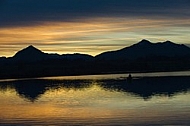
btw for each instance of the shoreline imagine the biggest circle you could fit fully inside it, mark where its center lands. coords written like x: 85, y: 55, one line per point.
x: 135, y: 75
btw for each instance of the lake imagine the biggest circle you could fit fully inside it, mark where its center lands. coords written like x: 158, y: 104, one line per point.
x: 149, y: 99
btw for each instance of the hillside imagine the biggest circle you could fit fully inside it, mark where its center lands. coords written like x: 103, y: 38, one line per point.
x: 143, y: 56
x: 145, y: 48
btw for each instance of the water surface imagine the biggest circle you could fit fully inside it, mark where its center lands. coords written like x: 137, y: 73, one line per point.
x: 97, y: 100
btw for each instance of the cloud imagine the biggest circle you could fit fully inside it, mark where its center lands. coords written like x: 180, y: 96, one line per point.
x: 92, y: 36
x: 33, y: 12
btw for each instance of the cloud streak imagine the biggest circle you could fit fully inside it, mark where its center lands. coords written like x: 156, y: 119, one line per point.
x: 92, y: 36
x: 90, y: 26
x: 32, y: 12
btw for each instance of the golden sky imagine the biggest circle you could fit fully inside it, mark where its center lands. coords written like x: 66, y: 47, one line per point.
x: 91, y: 36
x: 90, y: 26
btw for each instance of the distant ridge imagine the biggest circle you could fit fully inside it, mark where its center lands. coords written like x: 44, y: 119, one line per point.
x: 30, y: 50
x: 145, y: 48
x: 30, y: 53
x: 143, y: 56
x: 144, y: 42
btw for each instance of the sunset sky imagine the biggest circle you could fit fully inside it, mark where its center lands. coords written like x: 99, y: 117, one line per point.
x: 90, y: 26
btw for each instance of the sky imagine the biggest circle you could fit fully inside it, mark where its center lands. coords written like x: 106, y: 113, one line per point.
x: 90, y: 26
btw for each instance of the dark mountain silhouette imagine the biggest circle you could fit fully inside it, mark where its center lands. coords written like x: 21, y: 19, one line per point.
x: 30, y: 54
x: 33, y: 54
x: 146, y: 56
x: 77, y: 56
x: 143, y: 56
x: 147, y: 49
x: 2, y: 60
x: 142, y: 49
x: 29, y: 51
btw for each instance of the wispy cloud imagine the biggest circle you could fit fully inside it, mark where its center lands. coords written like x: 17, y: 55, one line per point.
x: 92, y: 36
x: 90, y: 26
x: 32, y: 12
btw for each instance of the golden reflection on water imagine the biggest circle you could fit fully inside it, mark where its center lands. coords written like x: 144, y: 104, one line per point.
x: 91, y: 105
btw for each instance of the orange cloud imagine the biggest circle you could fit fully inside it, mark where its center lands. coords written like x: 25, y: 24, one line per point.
x: 91, y: 36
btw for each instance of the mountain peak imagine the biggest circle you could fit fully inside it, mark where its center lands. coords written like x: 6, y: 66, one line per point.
x: 31, y: 47
x: 169, y: 43
x: 29, y: 50
x: 29, y: 53
x: 144, y: 42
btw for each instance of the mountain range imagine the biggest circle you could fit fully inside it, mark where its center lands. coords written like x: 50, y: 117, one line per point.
x: 33, y: 54
x: 147, y: 49
x: 143, y: 56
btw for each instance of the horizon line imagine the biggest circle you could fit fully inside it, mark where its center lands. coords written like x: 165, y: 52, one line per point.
x: 188, y: 45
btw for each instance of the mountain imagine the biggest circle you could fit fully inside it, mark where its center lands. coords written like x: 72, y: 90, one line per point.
x: 142, y: 49
x: 143, y: 56
x: 77, y: 56
x: 30, y: 53
x: 3, y: 60
x: 145, y: 49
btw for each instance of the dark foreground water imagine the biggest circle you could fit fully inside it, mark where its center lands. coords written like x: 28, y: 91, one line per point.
x: 96, y: 100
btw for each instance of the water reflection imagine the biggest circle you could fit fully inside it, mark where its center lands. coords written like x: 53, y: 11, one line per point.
x: 145, y: 88
x: 33, y: 89
x: 107, y: 101
x: 151, y: 86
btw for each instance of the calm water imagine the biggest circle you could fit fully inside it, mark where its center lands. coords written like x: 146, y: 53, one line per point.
x: 150, y: 99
